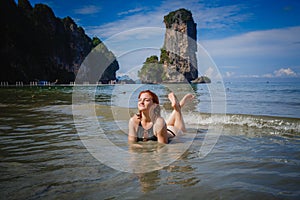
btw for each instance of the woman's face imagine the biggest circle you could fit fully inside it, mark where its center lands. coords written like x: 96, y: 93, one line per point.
x: 145, y: 102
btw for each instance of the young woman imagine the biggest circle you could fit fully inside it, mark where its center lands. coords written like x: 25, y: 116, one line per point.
x: 149, y: 125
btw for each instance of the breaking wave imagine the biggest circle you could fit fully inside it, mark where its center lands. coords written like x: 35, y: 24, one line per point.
x: 247, y: 123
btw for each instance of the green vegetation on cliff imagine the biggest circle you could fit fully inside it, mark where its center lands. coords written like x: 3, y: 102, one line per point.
x: 172, y: 17
x: 164, y: 57
x: 152, y: 71
x: 96, y: 41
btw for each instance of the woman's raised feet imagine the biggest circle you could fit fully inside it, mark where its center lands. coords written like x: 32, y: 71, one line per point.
x: 174, y: 102
x: 187, y: 98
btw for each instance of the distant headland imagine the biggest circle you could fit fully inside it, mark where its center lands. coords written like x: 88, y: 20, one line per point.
x: 36, y: 45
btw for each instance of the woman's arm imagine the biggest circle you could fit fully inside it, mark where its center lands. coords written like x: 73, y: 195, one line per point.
x: 132, y: 135
x: 160, y: 129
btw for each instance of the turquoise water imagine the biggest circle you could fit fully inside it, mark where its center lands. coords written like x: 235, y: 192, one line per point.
x: 264, y: 98
x: 256, y: 156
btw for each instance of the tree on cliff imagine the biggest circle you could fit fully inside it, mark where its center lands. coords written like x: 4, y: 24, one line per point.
x: 171, y: 18
x: 152, y: 71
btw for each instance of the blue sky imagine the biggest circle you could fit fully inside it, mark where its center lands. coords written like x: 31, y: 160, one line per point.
x: 257, y: 38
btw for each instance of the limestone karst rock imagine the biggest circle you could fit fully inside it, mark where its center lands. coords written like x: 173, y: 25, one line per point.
x: 180, y: 45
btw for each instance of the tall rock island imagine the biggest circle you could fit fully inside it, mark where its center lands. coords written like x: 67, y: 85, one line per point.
x: 178, y: 54
x: 178, y: 61
x: 37, y: 45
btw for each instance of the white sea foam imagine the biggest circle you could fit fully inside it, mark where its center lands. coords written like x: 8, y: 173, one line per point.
x: 274, y: 125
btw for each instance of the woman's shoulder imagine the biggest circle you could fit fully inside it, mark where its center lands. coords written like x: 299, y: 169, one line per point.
x: 135, y: 119
x: 160, y: 121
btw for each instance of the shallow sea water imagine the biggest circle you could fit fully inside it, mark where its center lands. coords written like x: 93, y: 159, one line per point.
x: 44, y: 157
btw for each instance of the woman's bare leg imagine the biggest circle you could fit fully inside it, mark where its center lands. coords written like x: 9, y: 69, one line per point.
x: 176, y: 118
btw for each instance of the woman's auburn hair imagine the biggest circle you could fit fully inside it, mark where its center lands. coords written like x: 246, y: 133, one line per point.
x: 152, y: 94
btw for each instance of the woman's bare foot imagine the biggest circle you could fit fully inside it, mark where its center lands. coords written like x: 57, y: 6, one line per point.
x: 174, y: 101
x: 187, y: 98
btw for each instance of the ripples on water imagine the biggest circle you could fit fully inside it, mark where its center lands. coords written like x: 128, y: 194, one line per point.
x: 42, y: 155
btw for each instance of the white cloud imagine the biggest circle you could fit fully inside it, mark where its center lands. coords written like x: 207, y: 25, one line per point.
x: 257, y: 52
x: 135, y: 10
x: 285, y: 72
x: 280, y: 73
x: 249, y: 76
x: 230, y: 67
x: 127, y: 23
x: 206, y: 16
x: 229, y: 74
x: 276, y: 42
x: 87, y: 10
x: 219, y: 17
x: 268, y: 75
x: 209, y: 72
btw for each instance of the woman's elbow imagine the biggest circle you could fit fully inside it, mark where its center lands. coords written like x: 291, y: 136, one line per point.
x: 132, y: 139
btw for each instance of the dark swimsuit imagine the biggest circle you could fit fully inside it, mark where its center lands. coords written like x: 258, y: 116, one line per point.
x: 146, y: 135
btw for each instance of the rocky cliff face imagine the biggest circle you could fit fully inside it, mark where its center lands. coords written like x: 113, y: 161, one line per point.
x: 37, y: 45
x: 180, y: 45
